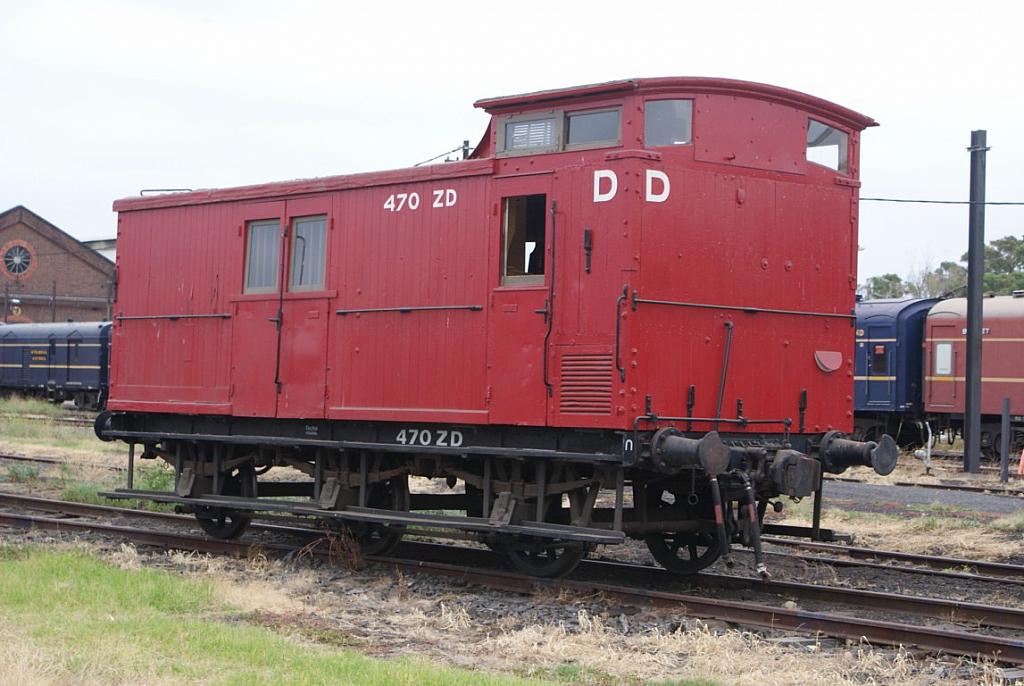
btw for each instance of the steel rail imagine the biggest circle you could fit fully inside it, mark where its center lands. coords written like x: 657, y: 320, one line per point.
x: 954, y: 610
x: 45, y: 459
x: 1000, y: 490
x: 1000, y: 569
x: 74, y: 421
x: 750, y: 614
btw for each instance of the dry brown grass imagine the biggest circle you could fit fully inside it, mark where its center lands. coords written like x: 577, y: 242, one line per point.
x: 910, y: 469
x: 930, y: 534
x: 731, y: 657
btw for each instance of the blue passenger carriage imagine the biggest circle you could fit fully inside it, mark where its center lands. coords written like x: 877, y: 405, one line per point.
x: 887, y: 369
x: 65, y: 361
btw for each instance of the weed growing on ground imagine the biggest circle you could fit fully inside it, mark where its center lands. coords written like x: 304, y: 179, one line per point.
x: 1014, y: 522
x: 17, y: 404
x: 24, y: 473
x: 156, y: 477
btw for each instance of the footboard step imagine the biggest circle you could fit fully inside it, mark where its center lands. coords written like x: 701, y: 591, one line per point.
x: 376, y: 516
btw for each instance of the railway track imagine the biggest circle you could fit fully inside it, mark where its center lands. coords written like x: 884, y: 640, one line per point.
x: 59, y: 419
x: 931, y: 564
x: 49, y: 460
x: 999, y: 490
x: 746, y: 613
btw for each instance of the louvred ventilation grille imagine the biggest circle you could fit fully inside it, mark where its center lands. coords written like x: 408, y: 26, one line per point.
x: 586, y: 384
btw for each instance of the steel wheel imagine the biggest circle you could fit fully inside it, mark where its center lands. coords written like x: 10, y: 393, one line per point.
x: 221, y: 523
x: 683, y: 553
x: 542, y: 557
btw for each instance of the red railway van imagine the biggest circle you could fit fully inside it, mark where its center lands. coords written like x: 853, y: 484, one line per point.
x: 1002, y: 373
x: 643, y: 284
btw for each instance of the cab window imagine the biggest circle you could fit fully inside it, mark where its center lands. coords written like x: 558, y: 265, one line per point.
x: 668, y: 122
x: 827, y: 146
x: 592, y: 128
x: 530, y: 134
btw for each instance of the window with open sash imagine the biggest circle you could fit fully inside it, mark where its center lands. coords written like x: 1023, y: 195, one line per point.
x: 523, y: 227
x: 827, y: 146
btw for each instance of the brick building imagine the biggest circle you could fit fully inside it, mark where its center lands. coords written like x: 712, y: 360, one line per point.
x: 47, y: 275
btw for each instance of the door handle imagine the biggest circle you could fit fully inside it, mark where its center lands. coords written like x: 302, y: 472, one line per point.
x: 544, y: 311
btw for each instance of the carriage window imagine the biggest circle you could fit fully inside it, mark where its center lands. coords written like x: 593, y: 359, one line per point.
x: 879, y: 360
x: 943, y: 359
x: 261, y: 256
x: 827, y: 146
x: 529, y: 134
x: 668, y: 122
x: 593, y: 127
x: 523, y: 226
x: 309, y: 250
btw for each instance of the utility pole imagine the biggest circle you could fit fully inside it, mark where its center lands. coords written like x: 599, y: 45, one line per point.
x: 975, y: 272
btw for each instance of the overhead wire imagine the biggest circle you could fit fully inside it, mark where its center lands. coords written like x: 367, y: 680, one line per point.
x: 944, y: 202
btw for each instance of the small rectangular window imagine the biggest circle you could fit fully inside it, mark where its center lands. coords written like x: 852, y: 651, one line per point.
x: 261, y: 260
x: 879, y: 360
x: 943, y: 359
x: 524, y: 229
x: 532, y: 133
x: 309, y: 252
x: 592, y: 127
x: 827, y: 146
x: 668, y: 122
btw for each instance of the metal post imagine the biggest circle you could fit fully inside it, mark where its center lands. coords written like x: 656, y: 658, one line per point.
x: 218, y: 482
x: 816, y: 512
x: 131, y: 466
x: 975, y: 272
x: 541, y: 489
x: 1004, y: 444
x: 486, y: 511
x: 363, y: 486
x: 318, y: 473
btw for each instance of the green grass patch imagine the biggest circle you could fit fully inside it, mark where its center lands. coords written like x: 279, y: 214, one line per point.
x: 17, y: 404
x: 1014, y: 522
x: 154, y: 477
x: 70, y: 617
x: 936, y: 508
x: 24, y: 473
x: 43, y: 433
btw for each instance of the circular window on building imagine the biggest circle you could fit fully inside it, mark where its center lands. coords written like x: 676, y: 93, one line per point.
x: 17, y: 260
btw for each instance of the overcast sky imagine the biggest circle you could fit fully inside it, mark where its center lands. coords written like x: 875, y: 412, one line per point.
x: 102, y: 99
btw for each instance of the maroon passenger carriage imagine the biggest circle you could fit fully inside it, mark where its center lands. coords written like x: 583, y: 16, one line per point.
x: 641, y: 290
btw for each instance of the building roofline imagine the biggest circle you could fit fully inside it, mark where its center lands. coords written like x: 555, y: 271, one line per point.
x: 23, y: 215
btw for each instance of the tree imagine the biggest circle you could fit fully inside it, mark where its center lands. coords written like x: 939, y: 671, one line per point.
x: 1004, y: 265
x: 947, y: 279
x: 884, y: 286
